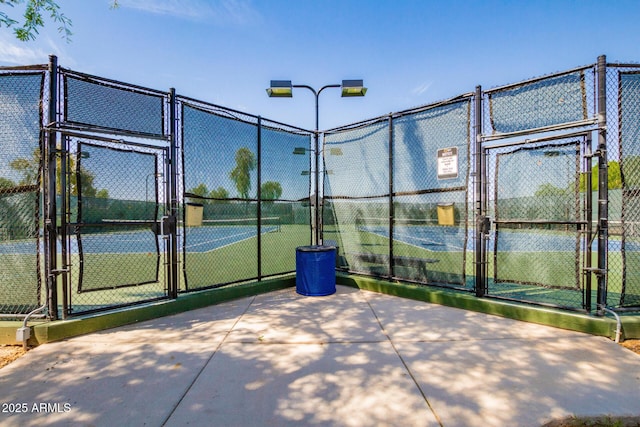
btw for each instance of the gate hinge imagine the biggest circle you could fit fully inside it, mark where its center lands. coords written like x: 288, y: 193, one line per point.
x: 595, y: 270
x: 597, y: 153
x: 59, y: 271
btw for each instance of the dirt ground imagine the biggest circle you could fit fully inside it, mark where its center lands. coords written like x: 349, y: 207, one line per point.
x: 9, y: 353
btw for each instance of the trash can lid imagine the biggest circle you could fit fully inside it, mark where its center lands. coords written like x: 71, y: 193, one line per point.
x: 315, y: 248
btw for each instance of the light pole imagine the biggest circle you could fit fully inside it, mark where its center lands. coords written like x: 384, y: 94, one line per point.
x: 284, y: 89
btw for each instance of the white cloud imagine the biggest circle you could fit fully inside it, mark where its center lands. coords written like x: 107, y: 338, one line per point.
x: 13, y: 51
x: 16, y: 52
x: 419, y: 90
x: 238, y: 12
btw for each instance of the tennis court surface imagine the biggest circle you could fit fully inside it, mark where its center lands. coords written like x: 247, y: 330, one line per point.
x: 355, y: 358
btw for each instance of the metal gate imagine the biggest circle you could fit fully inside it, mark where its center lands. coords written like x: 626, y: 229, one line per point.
x: 113, y: 208
x: 539, y: 205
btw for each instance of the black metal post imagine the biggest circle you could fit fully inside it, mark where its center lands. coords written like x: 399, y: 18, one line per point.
x: 173, y: 194
x: 603, y: 185
x: 391, y: 206
x: 589, y: 219
x: 63, y: 230
x: 316, y: 219
x: 479, y: 198
x: 50, y: 219
x: 259, y: 195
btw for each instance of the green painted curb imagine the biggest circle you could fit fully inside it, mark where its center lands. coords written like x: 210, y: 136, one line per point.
x: 44, y: 332
x: 595, y: 325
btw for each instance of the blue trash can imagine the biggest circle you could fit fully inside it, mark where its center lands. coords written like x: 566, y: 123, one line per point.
x: 315, y: 270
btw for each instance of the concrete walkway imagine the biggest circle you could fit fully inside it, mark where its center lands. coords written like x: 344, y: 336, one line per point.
x: 355, y: 358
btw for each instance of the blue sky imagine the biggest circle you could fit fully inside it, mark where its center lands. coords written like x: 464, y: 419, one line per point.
x: 409, y: 53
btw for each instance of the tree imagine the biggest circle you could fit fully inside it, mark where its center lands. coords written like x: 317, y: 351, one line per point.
x: 219, y: 193
x: 34, y: 19
x: 102, y: 194
x: 33, y: 16
x: 28, y: 167
x: 4, y: 182
x: 245, y: 163
x: 632, y: 172
x: 550, y: 190
x: 270, y: 191
x: 202, y: 191
x: 30, y: 170
x: 613, y: 176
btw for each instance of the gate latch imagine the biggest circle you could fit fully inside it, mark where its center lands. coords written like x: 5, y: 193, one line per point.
x: 484, y: 224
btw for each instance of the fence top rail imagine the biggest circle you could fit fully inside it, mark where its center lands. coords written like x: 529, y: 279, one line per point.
x: 402, y: 113
x: 89, y: 136
x: 113, y: 83
x: 419, y: 109
x: 231, y: 113
x: 97, y: 133
x: 623, y: 65
x: 553, y: 128
x: 38, y: 67
x: 537, y: 79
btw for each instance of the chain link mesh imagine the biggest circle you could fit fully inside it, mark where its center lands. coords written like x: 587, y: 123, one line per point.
x: 402, y: 212
x: 536, y: 190
x: 537, y: 210
x: 96, y: 102
x: 220, y: 153
x: 20, y: 191
x: 114, y: 246
x: 540, y: 103
x: 623, y: 92
x: 395, y: 197
x: 285, y: 189
x: 431, y: 174
x: 356, y: 188
x: 229, y: 158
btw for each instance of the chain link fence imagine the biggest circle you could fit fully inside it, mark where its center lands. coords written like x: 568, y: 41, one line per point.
x: 157, y: 194
x: 535, y: 194
x: 246, y: 185
x: 395, y: 192
x: 623, y: 133
x: 111, y: 193
x: 537, y: 240
x: 20, y: 191
x: 113, y: 248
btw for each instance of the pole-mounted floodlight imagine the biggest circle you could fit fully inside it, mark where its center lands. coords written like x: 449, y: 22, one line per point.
x: 284, y: 89
x: 280, y: 89
x: 353, y: 88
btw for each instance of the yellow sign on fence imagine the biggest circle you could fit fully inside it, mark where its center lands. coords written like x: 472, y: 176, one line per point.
x: 193, y: 215
x: 445, y: 214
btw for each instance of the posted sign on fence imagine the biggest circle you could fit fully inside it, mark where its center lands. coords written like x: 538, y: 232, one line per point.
x: 448, y: 163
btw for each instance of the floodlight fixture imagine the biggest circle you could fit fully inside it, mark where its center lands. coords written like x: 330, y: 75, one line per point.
x: 353, y: 88
x: 284, y: 89
x: 280, y: 89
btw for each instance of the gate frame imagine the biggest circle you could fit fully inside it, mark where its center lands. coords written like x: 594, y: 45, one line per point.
x: 583, y: 226
x: 63, y: 229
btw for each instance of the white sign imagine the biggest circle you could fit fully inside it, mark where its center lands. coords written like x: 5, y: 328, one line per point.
x: 448, y: 163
